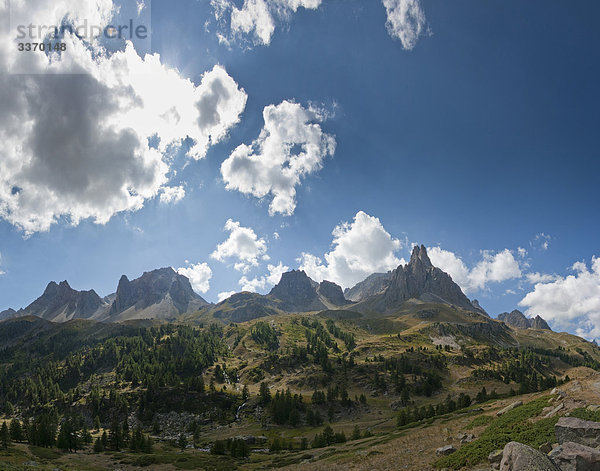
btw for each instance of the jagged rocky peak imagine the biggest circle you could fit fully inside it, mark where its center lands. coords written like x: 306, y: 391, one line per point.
x: 370, y: 286
x: 419, y: 279
x: 60, y: 302
x: 153, y: 288
x: 419, y: 254
x: 332, y: 293
x: 517, y: 319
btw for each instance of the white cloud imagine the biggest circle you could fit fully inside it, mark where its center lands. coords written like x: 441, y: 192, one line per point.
x: 265, y: 281
x: 276, y: 235
x: 74, y: 133
x: 360, y: 248
x: 290, y: 146
x: 224, y: 295
x: 172, y: 194
x: 242, y: 245
x: 522, y: 252
x: 405, y: 21
x: 537, y: 277
x: 541, y: 241
x: 256, y: 18
x: 199, y: 275
x: 493, y: 267
x: 2, y: 272
x: 571, y: 302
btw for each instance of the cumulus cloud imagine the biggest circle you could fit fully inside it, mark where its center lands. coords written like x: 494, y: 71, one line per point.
x: 199, y: 275
x: 405, y: 21
x: 256, y: 19
x: 290, y: 146
x: 243, y: 246
x: 172, y: 194
x: 571, y: 302
x: 74, y: 133
x: 265, y: 281
x: 360, y: 248
x: 492, y: 268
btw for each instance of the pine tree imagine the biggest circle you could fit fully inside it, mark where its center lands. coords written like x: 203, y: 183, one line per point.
x: 182, y: 442
x: 97, y: 424
x: 16, y: 431
x: 4, y: 436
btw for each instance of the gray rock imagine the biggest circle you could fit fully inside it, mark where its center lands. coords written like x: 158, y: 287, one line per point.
x: 510, y: 407
x: 572, y: 429
x: 495, y: 457
x: 554, y: 410
x: 519, y: 457
x: 445, y: 450
x: 593, y: 408
x: 572, y: 456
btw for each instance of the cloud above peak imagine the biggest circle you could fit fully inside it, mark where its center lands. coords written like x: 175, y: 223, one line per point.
x: 492, y: 268
x: 360, y: 248
x: 570, y: 302
x: 243, y: 247
x: 199, y: 275
x: 290, y: 146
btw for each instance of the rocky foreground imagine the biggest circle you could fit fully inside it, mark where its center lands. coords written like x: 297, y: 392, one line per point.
x: 577, y: 445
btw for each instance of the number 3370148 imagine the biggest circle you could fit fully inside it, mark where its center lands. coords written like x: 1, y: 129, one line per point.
x: 42, y: 47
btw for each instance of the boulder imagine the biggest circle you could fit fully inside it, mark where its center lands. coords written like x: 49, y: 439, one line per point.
x: 572, y: 429
x: 445, y: 450
x: 495, y: 457
x: 510, y: 407
x: 519, y: 457
x: 572, y: 456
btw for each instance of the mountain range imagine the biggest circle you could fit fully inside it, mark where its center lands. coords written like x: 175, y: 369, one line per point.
x: 165, y: 294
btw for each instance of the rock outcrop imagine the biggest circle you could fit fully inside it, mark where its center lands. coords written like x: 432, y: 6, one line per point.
x: 517, y: 319
x: 370, y: 286
x: 519, y: 457
x: 572, y: 429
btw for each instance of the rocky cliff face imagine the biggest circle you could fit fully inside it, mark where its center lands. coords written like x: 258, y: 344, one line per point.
x: 60, y: 303
x: 517, y: 319
x: 161, y: 293
x: 297, y: 292
x: 419, y: 279
x: 331, y: 293
x: 370, y: 286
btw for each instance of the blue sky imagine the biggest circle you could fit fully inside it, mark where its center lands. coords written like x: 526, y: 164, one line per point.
x: 475, y: 135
